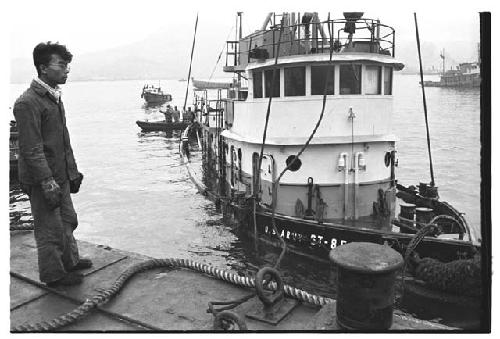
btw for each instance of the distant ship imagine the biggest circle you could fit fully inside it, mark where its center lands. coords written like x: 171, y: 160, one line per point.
x: 155, y: 95
x: 467, y: 74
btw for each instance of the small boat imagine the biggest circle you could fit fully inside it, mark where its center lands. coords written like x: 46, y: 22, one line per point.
x: 203, y: 84
x: 150, y: 126
x: 343, y: 188
x: 155, y: 95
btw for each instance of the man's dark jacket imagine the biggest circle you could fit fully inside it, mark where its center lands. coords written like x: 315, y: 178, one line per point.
x: 44, y: 146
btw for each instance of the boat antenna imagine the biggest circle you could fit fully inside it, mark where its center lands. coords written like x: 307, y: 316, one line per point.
x: 220, y: 54
x: 190, y: 63
x: 443, y: 57
x: 425, y: 103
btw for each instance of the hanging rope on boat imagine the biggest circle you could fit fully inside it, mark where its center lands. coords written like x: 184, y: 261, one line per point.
x: 304, y: 147
x: 190, y: 63
x: 264, y: 136
x: 106, y: 295
x: 220, y: 54
x: 268, y: 112
x: 432, y: 183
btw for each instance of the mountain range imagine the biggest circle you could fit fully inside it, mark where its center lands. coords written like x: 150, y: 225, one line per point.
x: 163, y: 55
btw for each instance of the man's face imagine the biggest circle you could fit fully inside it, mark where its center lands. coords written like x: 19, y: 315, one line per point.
x: 56, y: 70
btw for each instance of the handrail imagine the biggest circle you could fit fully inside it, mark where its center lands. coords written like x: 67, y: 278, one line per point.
x: 304, y: 38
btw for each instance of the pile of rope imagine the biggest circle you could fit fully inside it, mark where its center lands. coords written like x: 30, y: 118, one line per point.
x: 461, y: 276
x: 107, y: 294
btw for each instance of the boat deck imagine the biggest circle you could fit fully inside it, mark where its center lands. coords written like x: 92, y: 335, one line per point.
x: 163, y: 299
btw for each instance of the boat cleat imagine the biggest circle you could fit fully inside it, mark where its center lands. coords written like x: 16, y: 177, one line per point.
x: 273, y: 306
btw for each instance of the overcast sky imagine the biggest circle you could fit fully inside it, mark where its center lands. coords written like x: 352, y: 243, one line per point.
x: 91, y: 25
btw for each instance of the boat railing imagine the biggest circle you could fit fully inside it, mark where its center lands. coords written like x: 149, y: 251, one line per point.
x: 341, y: 35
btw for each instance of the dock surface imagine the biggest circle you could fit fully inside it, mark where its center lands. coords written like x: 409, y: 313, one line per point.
x: 163, y: 299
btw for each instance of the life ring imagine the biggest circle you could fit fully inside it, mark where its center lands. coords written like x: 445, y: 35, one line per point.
x: 387, y: 159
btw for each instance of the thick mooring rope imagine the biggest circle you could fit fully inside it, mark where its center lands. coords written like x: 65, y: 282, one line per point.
x: 22, y: 227
x: 428, y: 229
x: 106, y: 295
x: 460, y: 276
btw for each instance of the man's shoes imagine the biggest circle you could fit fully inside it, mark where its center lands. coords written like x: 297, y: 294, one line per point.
x: 67, y: 280
x: 82, y: 264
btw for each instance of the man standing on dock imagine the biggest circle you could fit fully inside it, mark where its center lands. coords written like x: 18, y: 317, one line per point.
x: 47, y: 169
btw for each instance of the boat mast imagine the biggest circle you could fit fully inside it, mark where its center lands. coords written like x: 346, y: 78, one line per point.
x: 425, y: 103
x: 443, y: 57
x: 190, y: 63
x: 238, y: 38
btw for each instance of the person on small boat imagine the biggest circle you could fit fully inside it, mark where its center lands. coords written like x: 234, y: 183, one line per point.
x: 185, y: 140
x: 188, y: 115
x: 191, y: 115
x: 168, y: 114
x: 176, y: 114
x: 47, y: 169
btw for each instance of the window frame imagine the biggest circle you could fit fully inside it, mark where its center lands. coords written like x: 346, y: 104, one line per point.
x: 379, y: 82
x: 257, y: 84
x: 285, y: 82
x: 322, y: 88
x: 277, y: 84
x: 391, y: 81
x: 360, y: 81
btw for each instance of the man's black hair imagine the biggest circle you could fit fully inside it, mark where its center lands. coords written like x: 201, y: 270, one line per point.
x: 42, y: 53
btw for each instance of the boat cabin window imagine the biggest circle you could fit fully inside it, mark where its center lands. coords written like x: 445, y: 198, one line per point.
x: 350, y: 79
x: 295, y: 81
x: 268, y: 79
x: 388, y: 80
x: 373, y: 79
x: 257, y: 84
x: 320, y: 75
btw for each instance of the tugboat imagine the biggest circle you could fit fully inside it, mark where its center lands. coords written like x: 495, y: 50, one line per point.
x: 305, y: 156
x: 466, y: 75
x: 155, y: 95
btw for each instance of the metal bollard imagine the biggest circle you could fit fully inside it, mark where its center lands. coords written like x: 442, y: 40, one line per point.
x: 408, y: 211
x: 424, y: 214
x: 365, y: 285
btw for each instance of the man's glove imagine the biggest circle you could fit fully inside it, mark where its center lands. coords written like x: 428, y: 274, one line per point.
x: 74, y: 185
x: 52, y: 193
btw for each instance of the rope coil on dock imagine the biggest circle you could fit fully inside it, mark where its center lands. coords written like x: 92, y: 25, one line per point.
x: 107, y: 294
x: 22, y: 227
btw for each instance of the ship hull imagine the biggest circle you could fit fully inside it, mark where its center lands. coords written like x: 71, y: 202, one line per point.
x: 153, y: 98
x: 147, y: 126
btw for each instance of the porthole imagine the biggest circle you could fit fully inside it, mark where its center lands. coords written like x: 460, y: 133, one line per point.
x: 296, y: 164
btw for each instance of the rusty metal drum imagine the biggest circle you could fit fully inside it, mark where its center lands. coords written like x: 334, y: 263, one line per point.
x: 365, y: 285
x: 424, y: 215
x: 408, y: 211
